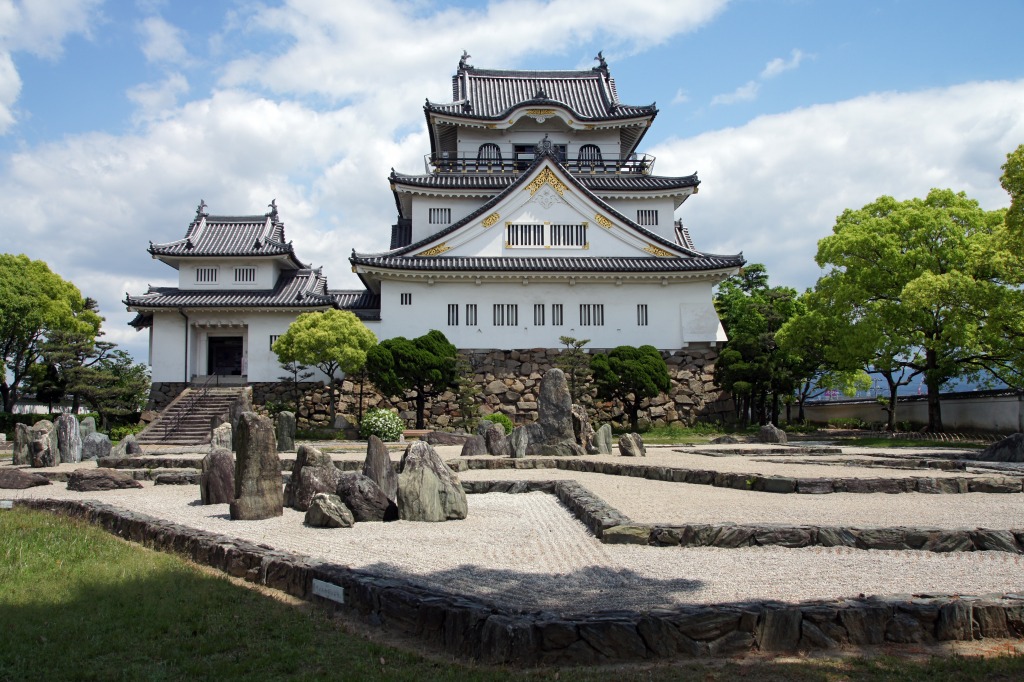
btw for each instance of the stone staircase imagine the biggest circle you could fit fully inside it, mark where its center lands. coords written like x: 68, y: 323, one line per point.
x: 186, y: 421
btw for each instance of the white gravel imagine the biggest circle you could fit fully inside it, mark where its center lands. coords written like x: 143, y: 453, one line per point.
x: 527, y: 551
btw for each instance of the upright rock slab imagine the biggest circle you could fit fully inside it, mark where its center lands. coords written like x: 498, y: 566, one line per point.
x: 496, y: 442
x: 86, y: 427
x: 43, y: 448
x: 258, y: 481
x: 95, y: 445
x: 217, y: 480
x: 285, y: 424
x: 69, y: 439
x: 305, y: 456
x: 427, y: 489
x: 312, y: 480
x: 221, y: 436
x: 552, y: 434
x: 378, y: 468
x: 22, y: 444
x: 603, y: 439
x: 582, y: 429
x: 632, y: 445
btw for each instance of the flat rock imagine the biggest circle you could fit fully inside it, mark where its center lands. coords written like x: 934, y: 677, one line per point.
x: 16, y: 479
x: 328, y: 511
x: 445, y: 438
x: 90, y: 480
x: 366, y: 500
x: 221, y: 436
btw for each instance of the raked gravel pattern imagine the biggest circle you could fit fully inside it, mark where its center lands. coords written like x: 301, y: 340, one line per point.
x: 527, y: 552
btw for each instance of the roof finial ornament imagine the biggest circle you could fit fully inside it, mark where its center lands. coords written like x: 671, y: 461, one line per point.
x: 544, y: 148
x: 541, y: 94
x: 273, y: 208
x: 602, y: 64
x: 462, y: 62
x: 201, y: 210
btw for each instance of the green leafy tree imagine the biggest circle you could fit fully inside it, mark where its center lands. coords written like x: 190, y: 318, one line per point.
x: 35, y: 304
x: 426, y: 365
x: 334, y: 341
x: 295, y: 374
x: 575, y: 362
x: 1013, y: 182
x: 928, y: 286
x: 630, y: 375
x: 116, y: 387
x: 45, y: 381
x: 467, y: 394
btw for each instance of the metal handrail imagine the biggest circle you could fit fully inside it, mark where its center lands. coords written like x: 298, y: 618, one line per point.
x: 194, y: 399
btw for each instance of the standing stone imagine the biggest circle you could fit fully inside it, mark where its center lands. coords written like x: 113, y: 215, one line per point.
x: 42, y: 449
x: 582, y: 429
x: 554, y: 408
x: 328, y: 511
x: 313, y: 480
x: 95, y: 445
x: 518, y: 441
x: 378, y: 467
x: 69, y: 439
x: 770, y: 433
x: 221, y: 437
x: 87, y: 426
x: 258, y: 481
x: 632, y: 445
x: 305, y: 456
x: 22, y: 444
x: 237, y: 409
x: 365, y: 498
x: 603, y: 439
x: 285, y: 424
x: 476, y: 446
x: 1009, y: 449
x: 427, y: 489
x: 217, y: 480
x: 497, y: 443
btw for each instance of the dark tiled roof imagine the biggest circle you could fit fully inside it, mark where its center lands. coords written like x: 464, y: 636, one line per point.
x: 363, y: 302
x: 549, y: 264
x: 221, y: 236
x: 491, y: 94
x: 593, y: 182
x: 294, y: 289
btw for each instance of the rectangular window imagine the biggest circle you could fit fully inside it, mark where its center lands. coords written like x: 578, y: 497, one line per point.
x: 647, y: 216
x: 524, y: 234
x: 556, y: 314
x: 206, y: 275
x: 471, y: 314
x: 641, y: 314
x: 538, y: 314
x: 569, y: 235
x: 273, y: 340
x: 439, y: 216
x: 245, y: 275
x: 506, y: 314
x: 406, y: 299
x: 591, y: 314
x: 453, y: 314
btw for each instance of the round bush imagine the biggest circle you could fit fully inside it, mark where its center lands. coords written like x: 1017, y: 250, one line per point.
x: 501, y: 418
x: 384, y: 424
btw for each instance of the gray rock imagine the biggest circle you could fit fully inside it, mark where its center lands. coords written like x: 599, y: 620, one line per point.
x: 90, y: 480
x: 603, y: 439
x: 770, y: 433
x: 427, y: 489
x: 632, y: 445
x: 285, y: 424
x: 69, y: 439
x: 328, y: 511
x: 95, y: 445
x: 87, y: 426
x: 905, y: 629
x: 445, y: 438
x: 582, y: 430
x: 866, y: 625
x: 364, y: 497
x: 242, y: 405
x: 519, y: 441
x: 725, y: 440
x: 779, y: 630
x: 497, y: 443
x: 43, y: 448
x: 378, y: 467
x: 128, y: 447
x: 1009, y: 449
x: 305, y: 456
x: 955, y: 622
x: 220, y: 437
x: 554, y: 408
x: 476, y: 446
x: 258, y: 482
x: 18, y: 479
x: 217, y: 480
x: 310, y: 481
x: 22, y: 444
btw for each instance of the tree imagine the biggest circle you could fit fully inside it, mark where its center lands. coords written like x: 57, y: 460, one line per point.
x: 45, y: 381
x: 116, y: 387
x: 1013, y: 182
x: 295, y: 374
x: 631, y: 375
x: 576, y: 365
x: 35, y: 304
x: 332, y: 341
x: 426, y: 365
x: 926, y: 285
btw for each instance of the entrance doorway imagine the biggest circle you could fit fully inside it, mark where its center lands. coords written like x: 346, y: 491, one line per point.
x: 224, y: 355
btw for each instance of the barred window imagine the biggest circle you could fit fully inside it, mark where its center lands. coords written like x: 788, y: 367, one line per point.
x: 453, y: 314
x: 506, y: 314
x: 245, y: 275
x: 206, y: 275
x: 538, y: 314
x: 406, y: 299
x: 647, y: 216
x: 569, y: 235
x: 591, y: 314
x: 641, y: 314
x: 524, y: 234
x: 471, y: 314
x: 556, y: 314
x: 439, y: 216
x: 273, y: 340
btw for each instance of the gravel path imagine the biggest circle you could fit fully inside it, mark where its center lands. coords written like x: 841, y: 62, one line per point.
x: 526, y: 551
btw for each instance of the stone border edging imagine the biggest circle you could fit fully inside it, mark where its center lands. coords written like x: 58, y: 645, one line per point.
x: 469, y: 628
x: 613, y: 527
x: 755, y: 482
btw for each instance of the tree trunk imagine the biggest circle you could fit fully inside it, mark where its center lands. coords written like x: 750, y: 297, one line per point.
x: 421, y: 403
x: 634, y: 415
x: 933, y: 383
x: 891, y: 409
x: 5, y: 393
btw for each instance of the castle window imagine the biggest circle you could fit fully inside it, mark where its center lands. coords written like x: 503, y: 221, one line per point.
x: 589, y: 156
x: 524, y: 234
x: 506, y: 314
x: 556, y: 314
x: 518, y: 235
x: 439, y: 216
x: 647, y: 216
x: 489, y: 152
x: 273, y: 340
x: 641, y: 314
x: 406, y: 299
x: 453, y: 314
x: 569, y: 235
x: 591, y: 314
x: 206, y: 275
x: 245, y: 275
x: 538, y: 314
x: 471, y: 314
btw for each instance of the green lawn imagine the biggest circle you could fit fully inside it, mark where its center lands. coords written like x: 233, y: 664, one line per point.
x: 79, y: 604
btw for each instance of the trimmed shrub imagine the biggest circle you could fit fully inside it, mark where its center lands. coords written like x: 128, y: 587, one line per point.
x: 503, y: 419
x: 384, y: 424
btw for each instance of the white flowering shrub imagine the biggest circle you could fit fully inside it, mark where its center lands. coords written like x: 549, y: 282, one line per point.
x: 384, y: 424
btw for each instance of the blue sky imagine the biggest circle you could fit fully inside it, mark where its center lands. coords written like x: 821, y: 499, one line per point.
x: 117, y: 117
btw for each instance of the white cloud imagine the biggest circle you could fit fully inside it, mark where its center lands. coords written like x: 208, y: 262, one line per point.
x: 745, y: 93
x: 681, y: 97
x: 10, y: 88
x: 773, y: 187
x: 158, y: 100
x: 780, y: 65
x: 162, y: 41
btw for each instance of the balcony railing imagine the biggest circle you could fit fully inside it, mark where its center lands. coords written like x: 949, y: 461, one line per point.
x: 452, y: 162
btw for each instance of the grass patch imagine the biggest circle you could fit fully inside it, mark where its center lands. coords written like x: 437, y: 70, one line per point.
x: 907, y: 443
x: 77, y: 603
